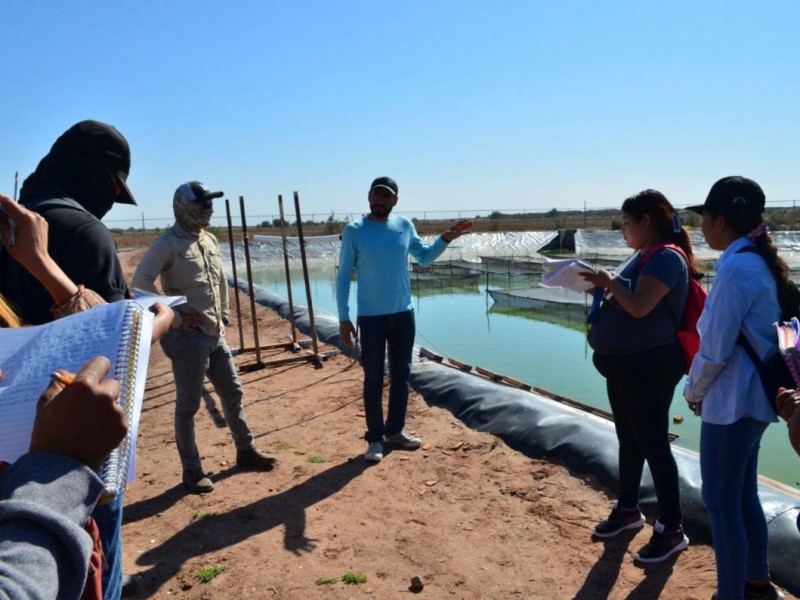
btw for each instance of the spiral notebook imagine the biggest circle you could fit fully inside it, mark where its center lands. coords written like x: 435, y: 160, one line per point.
x: 788, y: 341
x: 120, y: 331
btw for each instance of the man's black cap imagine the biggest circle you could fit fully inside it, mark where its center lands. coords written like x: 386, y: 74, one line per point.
x: 195, y: 191
x: 385, y: 182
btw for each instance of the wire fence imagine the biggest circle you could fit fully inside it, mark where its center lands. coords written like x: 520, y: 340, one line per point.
x: 782, y: 215
x: 785, y: 208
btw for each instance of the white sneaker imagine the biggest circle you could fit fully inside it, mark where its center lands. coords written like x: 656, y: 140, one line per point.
x: 403, y: 440
x: 374, y: 452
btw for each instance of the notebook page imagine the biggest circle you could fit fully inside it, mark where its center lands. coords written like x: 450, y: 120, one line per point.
x: 29, y: 354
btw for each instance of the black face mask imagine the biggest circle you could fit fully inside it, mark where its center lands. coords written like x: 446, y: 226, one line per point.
x: 70, y: 175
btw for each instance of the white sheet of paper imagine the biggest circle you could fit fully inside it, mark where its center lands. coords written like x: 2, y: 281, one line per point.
x: 146, y: 299
x: 565, y: 274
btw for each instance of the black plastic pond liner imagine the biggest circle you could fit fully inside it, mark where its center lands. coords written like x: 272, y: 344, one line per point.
x: 543, y: 428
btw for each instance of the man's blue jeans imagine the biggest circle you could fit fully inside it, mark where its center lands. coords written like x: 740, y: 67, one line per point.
x: 195, y: 355
x: 109, y: 522
x: 395, y: 331
x: 729, y: 467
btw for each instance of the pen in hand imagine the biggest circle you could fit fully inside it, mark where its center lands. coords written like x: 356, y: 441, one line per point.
x: 61, y: 378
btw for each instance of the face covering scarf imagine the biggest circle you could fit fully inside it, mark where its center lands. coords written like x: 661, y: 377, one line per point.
x: 191, y: 215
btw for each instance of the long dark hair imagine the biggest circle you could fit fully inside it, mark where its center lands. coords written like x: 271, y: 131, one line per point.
x: 664, y: 218
x: 743, y: 222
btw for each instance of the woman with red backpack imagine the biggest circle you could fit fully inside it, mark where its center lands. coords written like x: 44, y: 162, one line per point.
x: 634, y: 335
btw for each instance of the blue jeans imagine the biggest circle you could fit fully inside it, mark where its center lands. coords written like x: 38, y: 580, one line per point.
x: 109, y: 522
x: 729, y: 467
x: 376, y: 333
x: 194, y: 356
x: 640, y: 387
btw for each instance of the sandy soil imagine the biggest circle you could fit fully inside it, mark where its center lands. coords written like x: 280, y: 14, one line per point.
x: 465, y: 514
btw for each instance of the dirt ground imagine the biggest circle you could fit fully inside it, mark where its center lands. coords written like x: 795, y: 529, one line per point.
x: 465, y: 514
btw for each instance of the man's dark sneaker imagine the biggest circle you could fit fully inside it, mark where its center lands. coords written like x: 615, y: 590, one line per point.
x: 762, y: 592
x: 619, y: 520
x: 253, y: 458
x: 662, y: 544
x: 197, y: 482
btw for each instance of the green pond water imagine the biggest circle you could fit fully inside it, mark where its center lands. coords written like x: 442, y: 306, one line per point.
x: 545, y: 350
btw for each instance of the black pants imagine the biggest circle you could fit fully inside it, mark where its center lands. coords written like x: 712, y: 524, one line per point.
x: 640, y: 388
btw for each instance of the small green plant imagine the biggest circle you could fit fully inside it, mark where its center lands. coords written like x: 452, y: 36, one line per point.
x: 354, y: 578
x: 327, y: 580
x: 284, y: 446
x: 300, y: 452
x: 199, y: 514
x: 316, y: 459
x: 206, y: 574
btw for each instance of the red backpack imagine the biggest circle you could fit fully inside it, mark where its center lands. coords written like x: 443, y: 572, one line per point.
x: 695, y: 302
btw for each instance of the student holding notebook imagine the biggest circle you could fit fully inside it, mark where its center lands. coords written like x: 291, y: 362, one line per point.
x: 73, y: 187
x: 48, y: 493
x: 636, y: 349
x: 54, y: 521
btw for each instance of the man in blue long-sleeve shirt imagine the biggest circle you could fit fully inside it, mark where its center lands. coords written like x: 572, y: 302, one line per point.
x: 377, y: 247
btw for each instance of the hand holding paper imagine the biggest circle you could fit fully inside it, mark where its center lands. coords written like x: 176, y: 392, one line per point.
x: 146, y: 299
x: 599, y: 280
x: 567, y: 274
x: 162, y: 321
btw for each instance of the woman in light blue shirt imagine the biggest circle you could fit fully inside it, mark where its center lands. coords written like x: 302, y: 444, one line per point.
x: 725, y: 387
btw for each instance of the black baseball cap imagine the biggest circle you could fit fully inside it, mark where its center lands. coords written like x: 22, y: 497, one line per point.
x: 734, y: 195
x: 385, y: 182
x: 194, y: 191
x: 103, y: 143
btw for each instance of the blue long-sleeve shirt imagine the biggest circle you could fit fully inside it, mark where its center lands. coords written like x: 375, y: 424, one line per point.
x: 722, y: 376
x: 378, y: 251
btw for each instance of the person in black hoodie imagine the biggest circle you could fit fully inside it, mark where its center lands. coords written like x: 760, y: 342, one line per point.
x: 73, y: 187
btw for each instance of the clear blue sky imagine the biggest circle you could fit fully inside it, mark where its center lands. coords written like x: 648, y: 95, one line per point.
x: 469, y: 105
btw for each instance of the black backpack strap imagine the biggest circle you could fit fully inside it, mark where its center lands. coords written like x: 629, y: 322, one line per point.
x: 751, y: 352
x: 761, y: 369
